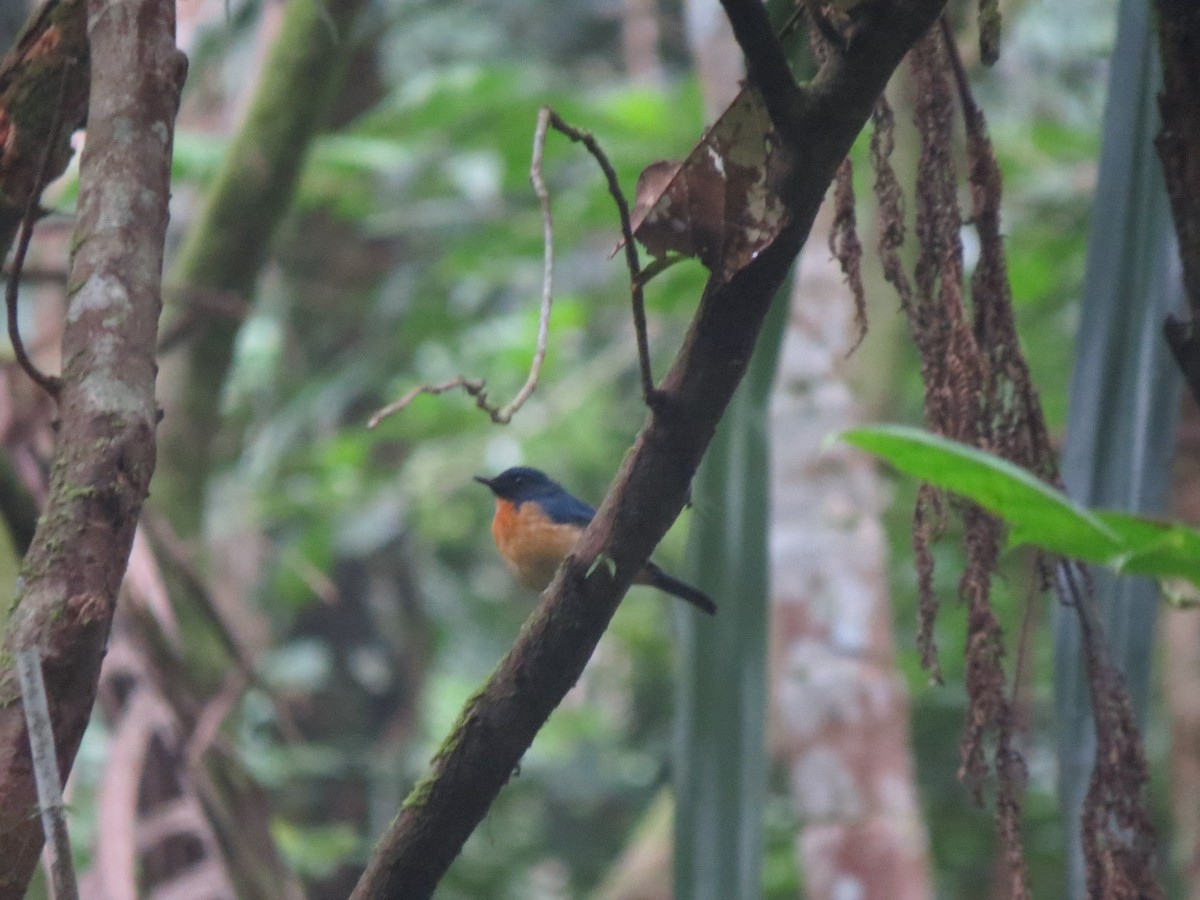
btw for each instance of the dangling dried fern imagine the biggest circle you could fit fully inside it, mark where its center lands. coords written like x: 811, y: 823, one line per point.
x: 846, y: 247
x: 978, y: 390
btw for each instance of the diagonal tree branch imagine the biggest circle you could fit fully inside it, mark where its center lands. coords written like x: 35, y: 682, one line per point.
x: 499, y: 723
x: 104, y: 454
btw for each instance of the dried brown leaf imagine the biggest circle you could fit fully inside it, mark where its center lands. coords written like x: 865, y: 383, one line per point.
x: 721, y: 204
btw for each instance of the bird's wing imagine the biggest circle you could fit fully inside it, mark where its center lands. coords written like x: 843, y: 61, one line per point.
x: 564, y: 509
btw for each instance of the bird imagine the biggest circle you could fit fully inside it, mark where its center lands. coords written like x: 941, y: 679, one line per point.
x: 538, y: 521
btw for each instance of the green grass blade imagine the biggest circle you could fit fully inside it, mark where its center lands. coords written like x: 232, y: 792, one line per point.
x: 721, y: 766
x: 1123, y: 400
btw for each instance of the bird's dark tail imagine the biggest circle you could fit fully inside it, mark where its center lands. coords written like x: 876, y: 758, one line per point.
x: 656, y: 577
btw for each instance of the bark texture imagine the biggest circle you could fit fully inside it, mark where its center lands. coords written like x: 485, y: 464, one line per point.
x: 43, y: 76
x: 105, y: 450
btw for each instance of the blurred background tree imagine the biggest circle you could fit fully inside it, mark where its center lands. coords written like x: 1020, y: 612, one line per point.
x: 315, y: 600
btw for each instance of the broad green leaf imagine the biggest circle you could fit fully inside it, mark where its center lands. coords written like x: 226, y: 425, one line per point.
x: 1036, y: 512
x: 721, y: 762
x: 1153, y: 547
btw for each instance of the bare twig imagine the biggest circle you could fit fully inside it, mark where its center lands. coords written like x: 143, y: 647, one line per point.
x: 656, y: 267
x: 636, y: 281
x: 473, y: 386
x: 961, y: 83
x: 40, y: 274
x: 45, y: 772
x: 539, y: 188
x: 477, y: 387
x: 50, y: 384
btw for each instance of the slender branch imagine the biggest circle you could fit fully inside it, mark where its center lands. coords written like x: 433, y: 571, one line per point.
x: 656, y: 267
x: 39, y: 274
x: 48, y: 383
x: 500, y: 721
x: 45, y: 773
x: 477, y: 387
x: 539, y: 188
x: 965, y: 98
x: 636, y: 279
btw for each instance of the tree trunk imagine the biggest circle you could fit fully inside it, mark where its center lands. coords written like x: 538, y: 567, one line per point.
x: 840, y: 711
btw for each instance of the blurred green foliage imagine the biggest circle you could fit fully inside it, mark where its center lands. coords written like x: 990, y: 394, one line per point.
x: 413, y: 255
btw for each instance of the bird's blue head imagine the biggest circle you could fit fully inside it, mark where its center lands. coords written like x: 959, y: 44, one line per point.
x: 521, y: 483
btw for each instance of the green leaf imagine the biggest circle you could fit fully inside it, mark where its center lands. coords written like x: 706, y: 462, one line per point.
x: 720, y: 778
x: 1153, y: 547
x: 1038, y: 514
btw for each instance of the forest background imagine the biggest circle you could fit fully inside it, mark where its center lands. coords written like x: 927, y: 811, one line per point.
x: 293, y: 649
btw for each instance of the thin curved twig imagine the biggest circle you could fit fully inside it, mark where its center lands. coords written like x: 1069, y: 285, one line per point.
x: 539, y: 187
x: 477, y: 387
x: 473, y: 386
x: 49, y: 383
x: 636, y: 279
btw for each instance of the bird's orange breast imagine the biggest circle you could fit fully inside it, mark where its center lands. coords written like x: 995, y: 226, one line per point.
x: 532, y: 544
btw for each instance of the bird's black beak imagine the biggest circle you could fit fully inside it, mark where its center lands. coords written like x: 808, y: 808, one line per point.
x: 483, y: 480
